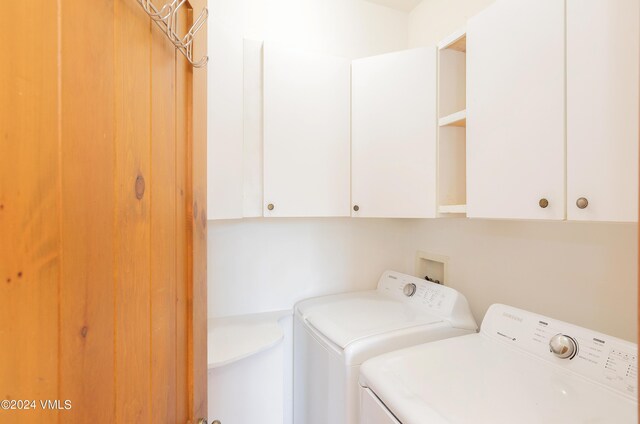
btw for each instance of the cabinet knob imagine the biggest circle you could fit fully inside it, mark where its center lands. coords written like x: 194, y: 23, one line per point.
x: 204, y: 421
x: 543, y: 203
x: 582, y: 203
x: 270, y: 206
x: 356, y: 208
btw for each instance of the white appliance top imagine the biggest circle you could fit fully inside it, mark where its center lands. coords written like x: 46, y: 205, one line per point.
x: 349, y: 317
x: 507, y: 374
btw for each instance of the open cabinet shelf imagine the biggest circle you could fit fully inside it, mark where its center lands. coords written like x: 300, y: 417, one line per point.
x: 452, y: 113
x: 456, y: 41
x: 457, y: 119
x: 452, y: 209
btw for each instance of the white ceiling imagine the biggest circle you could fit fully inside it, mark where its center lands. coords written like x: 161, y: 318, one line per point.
x: 403, y: 5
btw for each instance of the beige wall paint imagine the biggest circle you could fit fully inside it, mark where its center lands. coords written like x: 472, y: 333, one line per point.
x: 433, y: 20
x: 584, y: 273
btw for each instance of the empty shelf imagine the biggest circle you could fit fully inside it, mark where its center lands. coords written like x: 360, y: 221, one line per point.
x: 458, y: 119
x: 234, y: 338
x: 456, y: 41
x: 452, y: 209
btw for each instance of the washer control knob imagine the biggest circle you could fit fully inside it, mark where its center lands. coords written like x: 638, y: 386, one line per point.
x: 563, y: 346
x: 409, y: 289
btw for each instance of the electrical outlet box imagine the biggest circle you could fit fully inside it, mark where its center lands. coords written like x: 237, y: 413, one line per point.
x: 432, y: 265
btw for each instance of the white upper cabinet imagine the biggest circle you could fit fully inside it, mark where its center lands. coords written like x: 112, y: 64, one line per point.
x: 253, y: 131
x: 516, y: 111
x: 224, y: 125
x: 602, y: 109
x: 394, y: 133
x: 306, y: 133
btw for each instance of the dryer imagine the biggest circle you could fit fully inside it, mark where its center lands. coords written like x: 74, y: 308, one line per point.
x: 521, y: 368
x: 334, y: 335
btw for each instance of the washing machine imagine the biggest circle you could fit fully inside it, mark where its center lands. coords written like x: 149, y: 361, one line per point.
x: 521, y: 368
x: 334, y: 335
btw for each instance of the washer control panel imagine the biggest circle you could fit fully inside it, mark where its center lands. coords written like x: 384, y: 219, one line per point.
x: 426, y: 297
x: 594, y: 355
x: 418, y: 292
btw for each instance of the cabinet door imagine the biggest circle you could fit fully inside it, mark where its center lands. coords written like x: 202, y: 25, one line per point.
x: 516, y: 111
x: 224, y: 124
x: 602, y: 109
x: 394, y: 134
x: 306, y: 133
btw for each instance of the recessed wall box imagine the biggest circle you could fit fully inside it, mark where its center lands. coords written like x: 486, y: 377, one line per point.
x: 432, y: 265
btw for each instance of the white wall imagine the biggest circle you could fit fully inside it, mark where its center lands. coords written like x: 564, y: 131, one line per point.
x: 258, y: 265
x: 432, y: 20
x: 577, y: 272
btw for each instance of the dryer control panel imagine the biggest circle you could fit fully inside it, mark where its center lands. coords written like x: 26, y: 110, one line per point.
x: 605, y: 359
x: 440, y: 300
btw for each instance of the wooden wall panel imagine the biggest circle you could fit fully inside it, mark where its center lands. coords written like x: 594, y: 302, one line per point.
x: 192, y: 303
x: 183, y: 219
x: 163, y: 229
x: 101, y: 215
x: 132, y: 212
x: 87, y: 294
x: 29, y: 198
x: 198, y: 110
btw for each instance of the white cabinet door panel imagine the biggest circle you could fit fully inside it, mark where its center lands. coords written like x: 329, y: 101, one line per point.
x: 306, y: 133
x: 253, y: 133
x: 516, y: 110
x: 602, y: 109
x: 394, y: 134
x: 224, y: 125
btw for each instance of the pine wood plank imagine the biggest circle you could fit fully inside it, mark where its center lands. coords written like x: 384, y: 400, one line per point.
x: 87, y: 156
x: 29, y: 208
x: 163, y: 229
x: 199, y: 182
x: 184, y: 384
x: 132, y: 212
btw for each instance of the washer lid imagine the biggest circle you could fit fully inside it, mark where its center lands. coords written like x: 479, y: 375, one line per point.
x: 473, y: 379
x: 343, y: 319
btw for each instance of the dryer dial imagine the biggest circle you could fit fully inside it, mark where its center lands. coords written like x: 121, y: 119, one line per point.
x: 563, y: 346
x: 409, y: 289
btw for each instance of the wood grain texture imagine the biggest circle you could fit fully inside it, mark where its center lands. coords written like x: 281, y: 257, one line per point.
x: 184, y: 383
x: 87, y: 294
x: 29, y: 213
x: 163, y: 229
x: 199, y: 240
x: 132, y: 212
x: 102, y: 169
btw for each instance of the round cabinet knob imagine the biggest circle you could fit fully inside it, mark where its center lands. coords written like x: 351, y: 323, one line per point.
x: 270, y: 206
x: 582, y: 203
x: 409, y: 289
x: 543, y: 203
x: 356, y: 208
x: 204, y: 421
x: 563, y: 346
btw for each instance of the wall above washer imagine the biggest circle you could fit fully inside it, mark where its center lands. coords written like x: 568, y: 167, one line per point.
x: 402, y: 5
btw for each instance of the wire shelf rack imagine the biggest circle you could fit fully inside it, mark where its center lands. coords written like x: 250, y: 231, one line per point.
x: 167, y: 19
